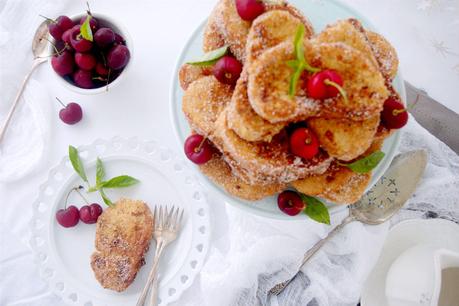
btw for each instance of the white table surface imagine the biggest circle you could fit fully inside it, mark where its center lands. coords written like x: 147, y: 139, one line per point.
x: 425, y: 33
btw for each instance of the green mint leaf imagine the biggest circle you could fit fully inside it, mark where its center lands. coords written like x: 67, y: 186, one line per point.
x: 299, y: 43
x: 100, y: 172
x: 366, y: 164
x: 294, y: 80
x: 120, y: 181
x: 293, y: 64
x: 105, y: 198
x: 77, y: 163
x: 85, y: 29
x: 93, y: 188
x: 210, y: 58
x: 315, y: 209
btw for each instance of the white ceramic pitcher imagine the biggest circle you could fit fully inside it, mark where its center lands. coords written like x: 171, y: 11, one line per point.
x: 415, y: 277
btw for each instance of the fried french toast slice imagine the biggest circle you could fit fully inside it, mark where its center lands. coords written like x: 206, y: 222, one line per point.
x: 231, y: 27
x: 339, y: 184
x: 269, y: 81
x: 235, y: 30
x: 218, y: 170
x: 344, y: 139
x: 373, y: 45
x: 271, y: 29
x: 244, y: 121
x: 267, y: 31
x: 265, y: 162
x: 189, y: 73
x: 268, y: 87
x: 346, y: 31
x: 203, y: 101
x: 123, y: 234
x: 213, y: 37
x: 385, y: 54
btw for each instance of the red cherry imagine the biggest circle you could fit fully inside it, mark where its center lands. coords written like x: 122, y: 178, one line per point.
x: 394, y: 114
x: 290, y: 202
x: 55, y: 31
x: 198, y: 149
x: 118, y: 57
x: 64, y: 23
x: 79, y: 43
x: 68, y: 217
x: 227, y: 70
x: 66, y: 36
x: 90, y: 214
x: 101, y: 69
x: 250, y: 9
x: 83, y: 79
x: 304, y: 143
x: 71, y: 114
x: 104, y: 37
x: 63, y: 63
x: 317, y: 87
x: 85, y: 61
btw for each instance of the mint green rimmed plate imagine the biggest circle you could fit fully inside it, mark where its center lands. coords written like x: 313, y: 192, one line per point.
x: 320, y: 13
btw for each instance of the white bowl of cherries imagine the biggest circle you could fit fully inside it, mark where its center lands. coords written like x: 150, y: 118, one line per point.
x: 90, y: 52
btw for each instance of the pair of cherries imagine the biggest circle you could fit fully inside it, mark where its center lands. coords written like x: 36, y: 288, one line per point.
x: 71, y: 215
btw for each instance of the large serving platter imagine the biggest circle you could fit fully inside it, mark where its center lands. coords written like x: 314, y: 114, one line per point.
x: 320, y: 13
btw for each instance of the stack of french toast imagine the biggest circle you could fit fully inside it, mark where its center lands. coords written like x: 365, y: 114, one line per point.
x: 249, y: 123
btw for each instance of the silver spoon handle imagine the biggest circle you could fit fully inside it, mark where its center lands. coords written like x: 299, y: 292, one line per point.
x: 152, y: 275
x: 277, y: 289
x: 35, y: 64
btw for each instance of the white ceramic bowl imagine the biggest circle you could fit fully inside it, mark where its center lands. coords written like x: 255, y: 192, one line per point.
x: 105, y: 21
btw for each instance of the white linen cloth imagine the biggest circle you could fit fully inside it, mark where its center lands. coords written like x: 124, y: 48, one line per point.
x: 248, y: 254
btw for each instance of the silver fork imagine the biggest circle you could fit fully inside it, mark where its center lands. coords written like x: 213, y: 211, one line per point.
x: 166, y: 228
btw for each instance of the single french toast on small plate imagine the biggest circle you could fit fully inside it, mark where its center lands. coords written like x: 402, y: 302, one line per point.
x: 123, y: 236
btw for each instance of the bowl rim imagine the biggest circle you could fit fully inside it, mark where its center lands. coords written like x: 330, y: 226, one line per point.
x: 93, y: 91
x: 233, y: 200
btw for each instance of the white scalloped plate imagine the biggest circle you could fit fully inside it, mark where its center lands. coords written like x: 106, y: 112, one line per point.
x: 63, y: 254
x: 320, y: 13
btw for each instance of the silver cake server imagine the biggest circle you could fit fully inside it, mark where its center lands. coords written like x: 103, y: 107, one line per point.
x: 380, y: 203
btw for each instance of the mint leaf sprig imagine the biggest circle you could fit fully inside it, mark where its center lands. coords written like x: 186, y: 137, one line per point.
x: 85, y: 29
x: 366, y: 164
x: 77, y: 164
x: 299, y: 64
x: 315, y: 209
x: 210, y: 58
x: 115, y: 182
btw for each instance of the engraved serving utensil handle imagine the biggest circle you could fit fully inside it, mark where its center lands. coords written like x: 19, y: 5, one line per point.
x: 277, y: 289
x: 152, y: 280
x: 35, y: 64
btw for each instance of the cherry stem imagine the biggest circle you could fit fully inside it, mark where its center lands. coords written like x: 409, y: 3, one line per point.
x: 309, y: 68
x: 198, y: 148
x: 59, y: 100
x: 99, y: 78
x: 396, y: 112
x: 338, y: 87
x: 70, y: 192
x: 80, y: 194
x: 48, y: 19
x: 89, y: 9
x: 54, y: 46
